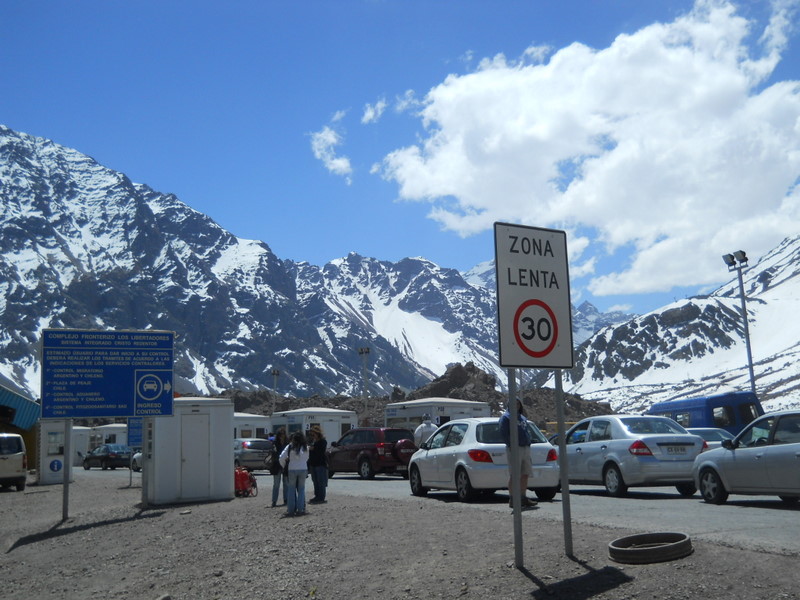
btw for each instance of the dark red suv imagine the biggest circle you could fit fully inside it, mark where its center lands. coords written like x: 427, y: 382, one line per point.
x: 371, y: 450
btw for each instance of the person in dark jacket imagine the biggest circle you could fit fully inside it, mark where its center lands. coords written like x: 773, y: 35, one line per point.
x: 278, y: 473
x: 318, y: 464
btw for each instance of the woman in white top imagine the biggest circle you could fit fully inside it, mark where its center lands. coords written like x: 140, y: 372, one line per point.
x: 294, y: 460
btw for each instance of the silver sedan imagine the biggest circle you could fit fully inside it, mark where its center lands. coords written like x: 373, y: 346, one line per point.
x: 469, y: 456
x: 620, y: 451
x: 764, y: 459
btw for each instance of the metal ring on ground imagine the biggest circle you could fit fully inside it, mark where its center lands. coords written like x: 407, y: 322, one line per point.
x: 650, y: 547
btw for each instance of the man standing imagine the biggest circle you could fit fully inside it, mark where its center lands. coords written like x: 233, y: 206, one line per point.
x: 424, y: 431
x: 524, y: 441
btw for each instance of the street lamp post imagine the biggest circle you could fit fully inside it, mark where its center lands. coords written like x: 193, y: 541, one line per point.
x: 736, y: 262
x: 275, y: 373
x: 364, y: 354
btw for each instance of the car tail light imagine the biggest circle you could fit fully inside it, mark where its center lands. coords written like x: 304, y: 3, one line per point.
x: 480, y: 456
x: 705, y: 446
x: 639, y: 448
x: 25, y: 461
x: 552, y: 455
x: 382, y: 448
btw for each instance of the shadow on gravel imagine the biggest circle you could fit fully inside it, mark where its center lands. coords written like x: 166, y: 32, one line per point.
x: 58, y: 530
x: 596, y: 581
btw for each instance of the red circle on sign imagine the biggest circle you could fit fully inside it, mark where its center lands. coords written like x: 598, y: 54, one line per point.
x: 521, y: 343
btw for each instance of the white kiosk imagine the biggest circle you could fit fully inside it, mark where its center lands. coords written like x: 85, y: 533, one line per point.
x: 246, y: 425
x: 409, y: 414
x: 50, y: 469
x: 333, y: 422
x: 188, y: 457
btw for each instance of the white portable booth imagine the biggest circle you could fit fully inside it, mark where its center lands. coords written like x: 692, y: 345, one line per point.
x: 246, y: 425
x: 52, y: 444
x: 188, y: 457
x: 409, y: 414
x: 113, y: 433
x: 333, y: 422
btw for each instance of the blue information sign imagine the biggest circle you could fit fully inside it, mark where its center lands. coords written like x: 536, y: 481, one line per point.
x: 135, y: 432
x: 90, y: 374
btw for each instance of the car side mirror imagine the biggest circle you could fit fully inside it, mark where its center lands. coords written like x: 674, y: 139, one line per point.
x: 728, y: 444
x: 424, y: 446
x: 334, y: 444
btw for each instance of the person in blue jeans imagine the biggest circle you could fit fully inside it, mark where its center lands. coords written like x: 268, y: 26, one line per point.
x: 278, y: 474
x: 294, y: 460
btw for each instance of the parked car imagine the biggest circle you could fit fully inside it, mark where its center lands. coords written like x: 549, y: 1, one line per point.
x: 762, y: 459
x: 136, y: 461
x: 371, y: 450
x: 251, y: 453
x: 714, y: 436
x: 469, y: 456
x: 108, y: 456
x: 13, y: 461
x: 622, y: 451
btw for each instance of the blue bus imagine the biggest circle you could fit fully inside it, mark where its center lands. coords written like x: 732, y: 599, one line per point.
x: 730, y: 411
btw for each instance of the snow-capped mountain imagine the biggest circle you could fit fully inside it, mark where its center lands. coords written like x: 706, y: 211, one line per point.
x: 81, y: 246
x: 84, y: 247
x: 697, y: 346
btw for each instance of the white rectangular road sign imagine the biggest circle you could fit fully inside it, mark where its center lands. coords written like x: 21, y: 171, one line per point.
x: 533, y: 302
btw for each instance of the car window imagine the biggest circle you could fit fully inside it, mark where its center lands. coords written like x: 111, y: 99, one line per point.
x: 437, y: 441
x: 577, y: 434
x: 788, y: 430
x: 683, y: 419
x: 638, y: 425
x: 259, y: 445
x: 456, y: 435
x: 600, y: 430
x: 748, y: 412
x: 348, y: 439
x: 395, y: 435
x: 10, y: 445
x: 537, y: 437
x: 723, y: 416
x: 757, y: 434
x: 489, y: 433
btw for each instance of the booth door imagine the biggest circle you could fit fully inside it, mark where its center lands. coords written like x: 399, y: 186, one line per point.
x: 195, y: 456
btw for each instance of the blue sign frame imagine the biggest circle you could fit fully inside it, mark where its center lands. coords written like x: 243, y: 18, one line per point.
x: 93, y: 374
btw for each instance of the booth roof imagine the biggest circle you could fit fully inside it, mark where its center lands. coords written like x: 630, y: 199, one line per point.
x: 317, y: 410
x: 427, y: 401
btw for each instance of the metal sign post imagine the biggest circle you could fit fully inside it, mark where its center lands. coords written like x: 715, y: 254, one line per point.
x: 534, y: 316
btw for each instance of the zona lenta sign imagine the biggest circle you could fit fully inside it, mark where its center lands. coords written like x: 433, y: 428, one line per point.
x: 533, y: 302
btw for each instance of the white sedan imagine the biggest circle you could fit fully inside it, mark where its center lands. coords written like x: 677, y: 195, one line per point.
x: 469, y: 456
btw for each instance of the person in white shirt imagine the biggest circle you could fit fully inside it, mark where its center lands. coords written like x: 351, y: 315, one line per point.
x: 294, y: 460
x: 424, y: 431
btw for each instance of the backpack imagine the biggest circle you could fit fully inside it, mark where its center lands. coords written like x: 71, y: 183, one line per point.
x: 272, y: 463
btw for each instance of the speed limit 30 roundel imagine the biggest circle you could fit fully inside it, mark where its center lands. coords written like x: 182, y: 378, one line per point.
x: 535, y: 328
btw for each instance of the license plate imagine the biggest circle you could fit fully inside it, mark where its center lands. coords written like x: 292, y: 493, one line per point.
x: 676, y: 450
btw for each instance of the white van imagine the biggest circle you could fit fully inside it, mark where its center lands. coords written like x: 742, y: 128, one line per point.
x: 13, y: 461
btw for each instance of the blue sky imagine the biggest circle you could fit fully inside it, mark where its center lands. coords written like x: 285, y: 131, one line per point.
x: 659, y: 135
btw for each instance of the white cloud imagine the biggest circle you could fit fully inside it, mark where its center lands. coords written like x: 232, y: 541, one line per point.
x: 323, y: 144
x: 671, y: 144
x: 373, y: 112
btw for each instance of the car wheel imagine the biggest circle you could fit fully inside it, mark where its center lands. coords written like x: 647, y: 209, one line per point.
x: 331, y: 474
x: 415, y: 479
x: 104, y: 465
x: 21, y: 485
x: 86, y: 465
x: 135, y: 466
x: 789, y: 499
x: 464, y: 488
x: 686, y: 489
x: 711, y: 487
x: 365, y: 470
x: 615, y: 485
x: 546, y: 494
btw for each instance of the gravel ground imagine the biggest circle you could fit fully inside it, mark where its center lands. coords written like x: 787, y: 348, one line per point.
x: 350, y: 548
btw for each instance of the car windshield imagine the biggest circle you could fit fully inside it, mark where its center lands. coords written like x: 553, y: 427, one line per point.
x: 489, y: 433
x: 395, y: 435
x: 119, y: 448
x: 10, y: 445
x: 639, y: 425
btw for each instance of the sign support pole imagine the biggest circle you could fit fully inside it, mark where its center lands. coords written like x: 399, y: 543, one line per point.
x: 562, y: 465
x: 514, y: 461
x: 67, y: 468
